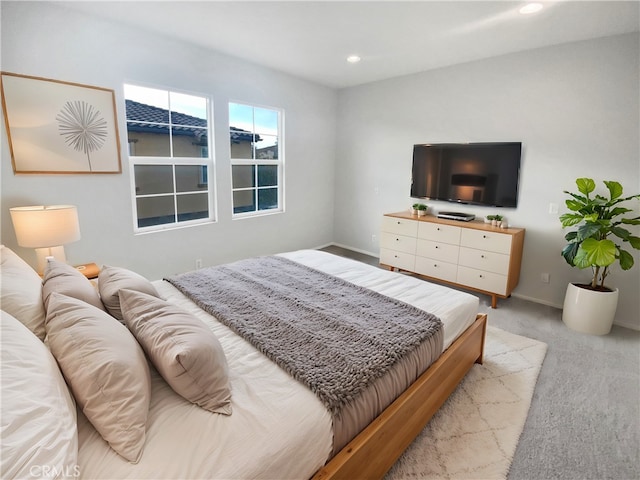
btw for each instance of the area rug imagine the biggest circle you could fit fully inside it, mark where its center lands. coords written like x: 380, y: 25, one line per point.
x: 475, y: 433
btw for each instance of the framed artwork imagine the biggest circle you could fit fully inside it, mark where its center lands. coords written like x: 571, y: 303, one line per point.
x: 59, y: 127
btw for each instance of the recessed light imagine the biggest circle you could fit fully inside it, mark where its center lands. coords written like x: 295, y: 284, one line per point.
x: 530, y: 8
x: 353, y: 59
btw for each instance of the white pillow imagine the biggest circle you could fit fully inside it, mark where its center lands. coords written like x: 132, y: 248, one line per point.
x: 38, y: 413
x: 22, y: 292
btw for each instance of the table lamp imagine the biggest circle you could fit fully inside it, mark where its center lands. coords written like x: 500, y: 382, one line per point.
x: 47, y: 229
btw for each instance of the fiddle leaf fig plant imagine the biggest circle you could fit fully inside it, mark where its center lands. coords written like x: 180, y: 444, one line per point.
x: 599, y: 238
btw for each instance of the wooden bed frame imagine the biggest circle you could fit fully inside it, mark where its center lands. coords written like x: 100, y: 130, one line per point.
x: 372, y: 453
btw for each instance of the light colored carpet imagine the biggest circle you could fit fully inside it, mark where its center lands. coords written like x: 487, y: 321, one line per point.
x: 475, y: 433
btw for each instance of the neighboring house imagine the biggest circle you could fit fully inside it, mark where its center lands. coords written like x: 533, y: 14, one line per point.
x: 148, y: 133
x: 148, y: 136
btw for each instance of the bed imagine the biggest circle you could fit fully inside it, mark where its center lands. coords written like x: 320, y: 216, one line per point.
x: 278, y: 427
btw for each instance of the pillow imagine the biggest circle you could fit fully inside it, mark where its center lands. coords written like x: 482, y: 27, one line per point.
x: 63, y: 278
x: 112, y: 279
x: 38, y: 412
x: 22, y: 292
x: 183, y: 349
x: 106, y: 370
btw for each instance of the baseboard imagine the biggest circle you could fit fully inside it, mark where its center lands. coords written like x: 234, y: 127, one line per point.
x: 626, y: 325
x: 537, y: 300
x: 359, y: 250
x: 555, y: 305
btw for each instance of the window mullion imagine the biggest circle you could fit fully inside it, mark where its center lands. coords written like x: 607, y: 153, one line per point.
x: 175, y: 194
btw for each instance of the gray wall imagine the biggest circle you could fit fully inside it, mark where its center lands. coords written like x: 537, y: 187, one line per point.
x: 46, y: 40
x: 575, y: 109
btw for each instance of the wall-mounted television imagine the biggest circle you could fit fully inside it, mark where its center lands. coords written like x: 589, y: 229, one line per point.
x: 469, y: 173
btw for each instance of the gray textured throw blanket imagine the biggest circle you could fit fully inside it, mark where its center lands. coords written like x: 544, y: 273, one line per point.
x: 333, y: 336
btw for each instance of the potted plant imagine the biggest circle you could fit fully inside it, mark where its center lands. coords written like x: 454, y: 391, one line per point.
x: 419, y: 209
x: 494, y: 220
x: 598, y: 242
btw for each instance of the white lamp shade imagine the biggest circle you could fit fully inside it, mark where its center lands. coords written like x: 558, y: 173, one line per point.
x: 45, y: 226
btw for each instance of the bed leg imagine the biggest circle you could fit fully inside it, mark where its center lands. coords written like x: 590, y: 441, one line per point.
x: 480, y: 359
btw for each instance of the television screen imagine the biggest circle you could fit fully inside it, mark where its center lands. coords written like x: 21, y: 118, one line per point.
x: 471, y: 173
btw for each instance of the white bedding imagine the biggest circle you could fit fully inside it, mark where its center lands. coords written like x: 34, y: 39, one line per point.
x: 278, y: 428
x: 456, y: 309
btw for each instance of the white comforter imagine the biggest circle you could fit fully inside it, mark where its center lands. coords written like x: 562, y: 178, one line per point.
x: 278, y: 428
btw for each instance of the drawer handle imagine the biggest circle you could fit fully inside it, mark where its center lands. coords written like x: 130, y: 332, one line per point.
x: 484, y: 236
x: 481, y: 256
x: 397, y: 239
x: 436, y: 246
x: 435, y: 265
x: 438, y: 228
x: 481, y: 276
x: 398, y: 223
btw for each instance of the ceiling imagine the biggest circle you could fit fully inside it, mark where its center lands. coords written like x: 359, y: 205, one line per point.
x: 312, y: 39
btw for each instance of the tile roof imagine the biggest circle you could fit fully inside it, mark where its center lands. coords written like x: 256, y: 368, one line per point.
x: 147, y: 118
x: 141, y: 112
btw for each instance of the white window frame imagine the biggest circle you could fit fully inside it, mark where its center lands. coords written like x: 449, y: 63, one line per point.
x: 279, y: 162
x: 208, y: 161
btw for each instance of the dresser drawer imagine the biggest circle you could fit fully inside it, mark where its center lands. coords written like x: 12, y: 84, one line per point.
x: 400, y: 226
x: 483, y: 260
x: 401, y: 243
x: 472, y: 255
x: 437, y: 250
x: 483, y: 240
x: 487, y: 281
x: 401, y: 260
x: 439, y: 233
x: 436, y: 269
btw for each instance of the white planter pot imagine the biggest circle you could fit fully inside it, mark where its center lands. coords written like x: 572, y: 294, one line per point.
x: 589, y: 311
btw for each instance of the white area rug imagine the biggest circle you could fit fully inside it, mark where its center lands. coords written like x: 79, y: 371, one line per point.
x: 475, y: 433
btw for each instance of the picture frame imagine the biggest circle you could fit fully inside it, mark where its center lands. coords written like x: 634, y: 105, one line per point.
x: 58, y: 127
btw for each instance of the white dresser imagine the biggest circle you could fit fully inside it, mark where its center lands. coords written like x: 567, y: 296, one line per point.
x: 472, y: 255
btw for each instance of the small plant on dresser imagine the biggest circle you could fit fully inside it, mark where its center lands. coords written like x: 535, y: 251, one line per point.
x: 419, y: 209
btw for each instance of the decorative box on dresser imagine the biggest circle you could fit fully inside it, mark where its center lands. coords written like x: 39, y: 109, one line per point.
x: 472, y: 255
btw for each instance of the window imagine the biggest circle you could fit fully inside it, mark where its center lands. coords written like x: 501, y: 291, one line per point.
x: 255, y: 136
x: 168, y: 137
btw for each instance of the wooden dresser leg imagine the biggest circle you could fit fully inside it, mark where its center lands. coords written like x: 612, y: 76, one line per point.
x: 494, y: 301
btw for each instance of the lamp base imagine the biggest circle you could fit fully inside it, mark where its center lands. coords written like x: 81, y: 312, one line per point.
x: 43, y: 253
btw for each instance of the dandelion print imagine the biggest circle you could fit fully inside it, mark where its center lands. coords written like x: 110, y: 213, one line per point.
x: 82, y: 127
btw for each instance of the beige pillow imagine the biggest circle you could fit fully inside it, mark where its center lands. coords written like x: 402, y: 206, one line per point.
x: 113, y: 279
x: 106, y: 370
x: 183, y: 349
x: 63, y: 278
x: 21, y: 290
